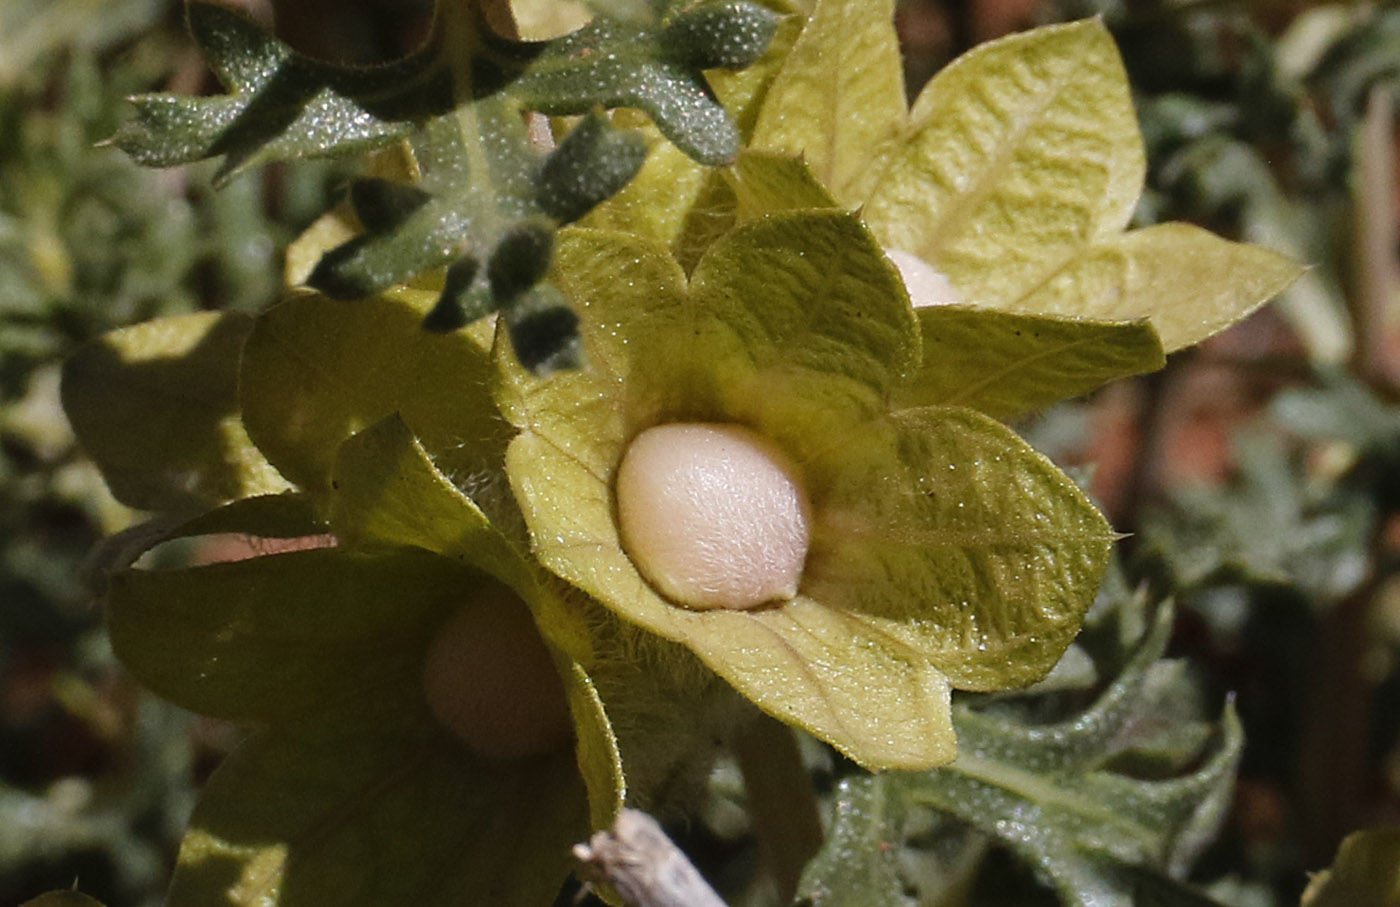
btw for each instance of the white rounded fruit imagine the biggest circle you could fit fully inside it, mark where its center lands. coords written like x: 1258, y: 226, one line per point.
x: 490, y: 680
x: 713, y: 515
x: 925, y: 284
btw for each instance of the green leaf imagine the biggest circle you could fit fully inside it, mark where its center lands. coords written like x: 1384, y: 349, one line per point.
x: 616, y: 64
x: 366, y: 803
x: 857, y: 866
x: 62, y: 899
x: 1008, y: 365
x: 273, y: 638
x: 315, y: 371
x: 281, y: 104
x: 1019, y: 154
x: 387, y: 491
x: 766, y: 183
x: 943, y: 546
x: 156, y: 406
x: 1139, y: 275
x: 1366, y: 872
x: 1049, y: 792
x: 839, y: 96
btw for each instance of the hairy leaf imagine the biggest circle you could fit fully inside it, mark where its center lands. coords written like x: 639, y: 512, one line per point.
x: 1051, y: 794
x: 1188, y: 282
x: 1020, y: 153
x: 281, y: 104
x: 839, y: 96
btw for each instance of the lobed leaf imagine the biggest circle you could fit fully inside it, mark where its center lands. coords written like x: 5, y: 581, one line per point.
x: 156, y: 406
x: 1050, y: 794
x: 281, y: 104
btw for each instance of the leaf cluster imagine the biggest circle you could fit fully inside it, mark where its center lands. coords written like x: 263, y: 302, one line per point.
x: 486, y: 198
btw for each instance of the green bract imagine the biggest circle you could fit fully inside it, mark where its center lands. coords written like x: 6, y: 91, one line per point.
x: 349, y: 791
x: 945, y: 552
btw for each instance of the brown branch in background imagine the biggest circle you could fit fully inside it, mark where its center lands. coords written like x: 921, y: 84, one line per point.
x: 637, y: 859
x: 1376, y: 280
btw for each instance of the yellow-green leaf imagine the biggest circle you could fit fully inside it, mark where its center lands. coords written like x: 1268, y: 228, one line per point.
x: 363, y: 805
x: 942, y: 544
x: 1187, y: 281
x: 316, y: 370
x: 387, y: 491
x: 839, y: 96
x: 765, y: 182
x: 1366, y: 873
x: 272, y: 638
x: 1020, y: 153
x: 1008, y: 365
x: 156, y: 406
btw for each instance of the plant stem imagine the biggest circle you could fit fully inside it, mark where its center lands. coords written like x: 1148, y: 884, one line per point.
x: 781, y: 801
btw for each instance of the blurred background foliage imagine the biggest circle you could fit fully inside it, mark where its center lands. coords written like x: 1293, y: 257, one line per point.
x: 1259, y: 475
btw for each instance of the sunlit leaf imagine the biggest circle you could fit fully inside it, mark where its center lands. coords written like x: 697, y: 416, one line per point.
x: 1009, y: 365
x: 1020, y: 153
x: 1139, y: 275
x: 943, y: 546
x: 839, y: 96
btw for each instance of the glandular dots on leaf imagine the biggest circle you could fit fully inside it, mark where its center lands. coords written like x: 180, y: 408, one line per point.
x: 924, y: 283
x: 713, y: 515
x: 489, y: 679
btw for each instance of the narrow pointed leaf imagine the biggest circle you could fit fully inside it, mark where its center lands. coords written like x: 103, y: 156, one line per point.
x: 1008, y: 365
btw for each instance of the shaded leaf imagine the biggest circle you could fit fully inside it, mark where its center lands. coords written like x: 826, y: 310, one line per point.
x: 315, y: 371
x: 274, y: 638
x: 281, y: 104
x: 62, y: 899
x: 156, y: 406
x: 368, y: 803
x: 1366, y: 872
x: 387, y: 491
